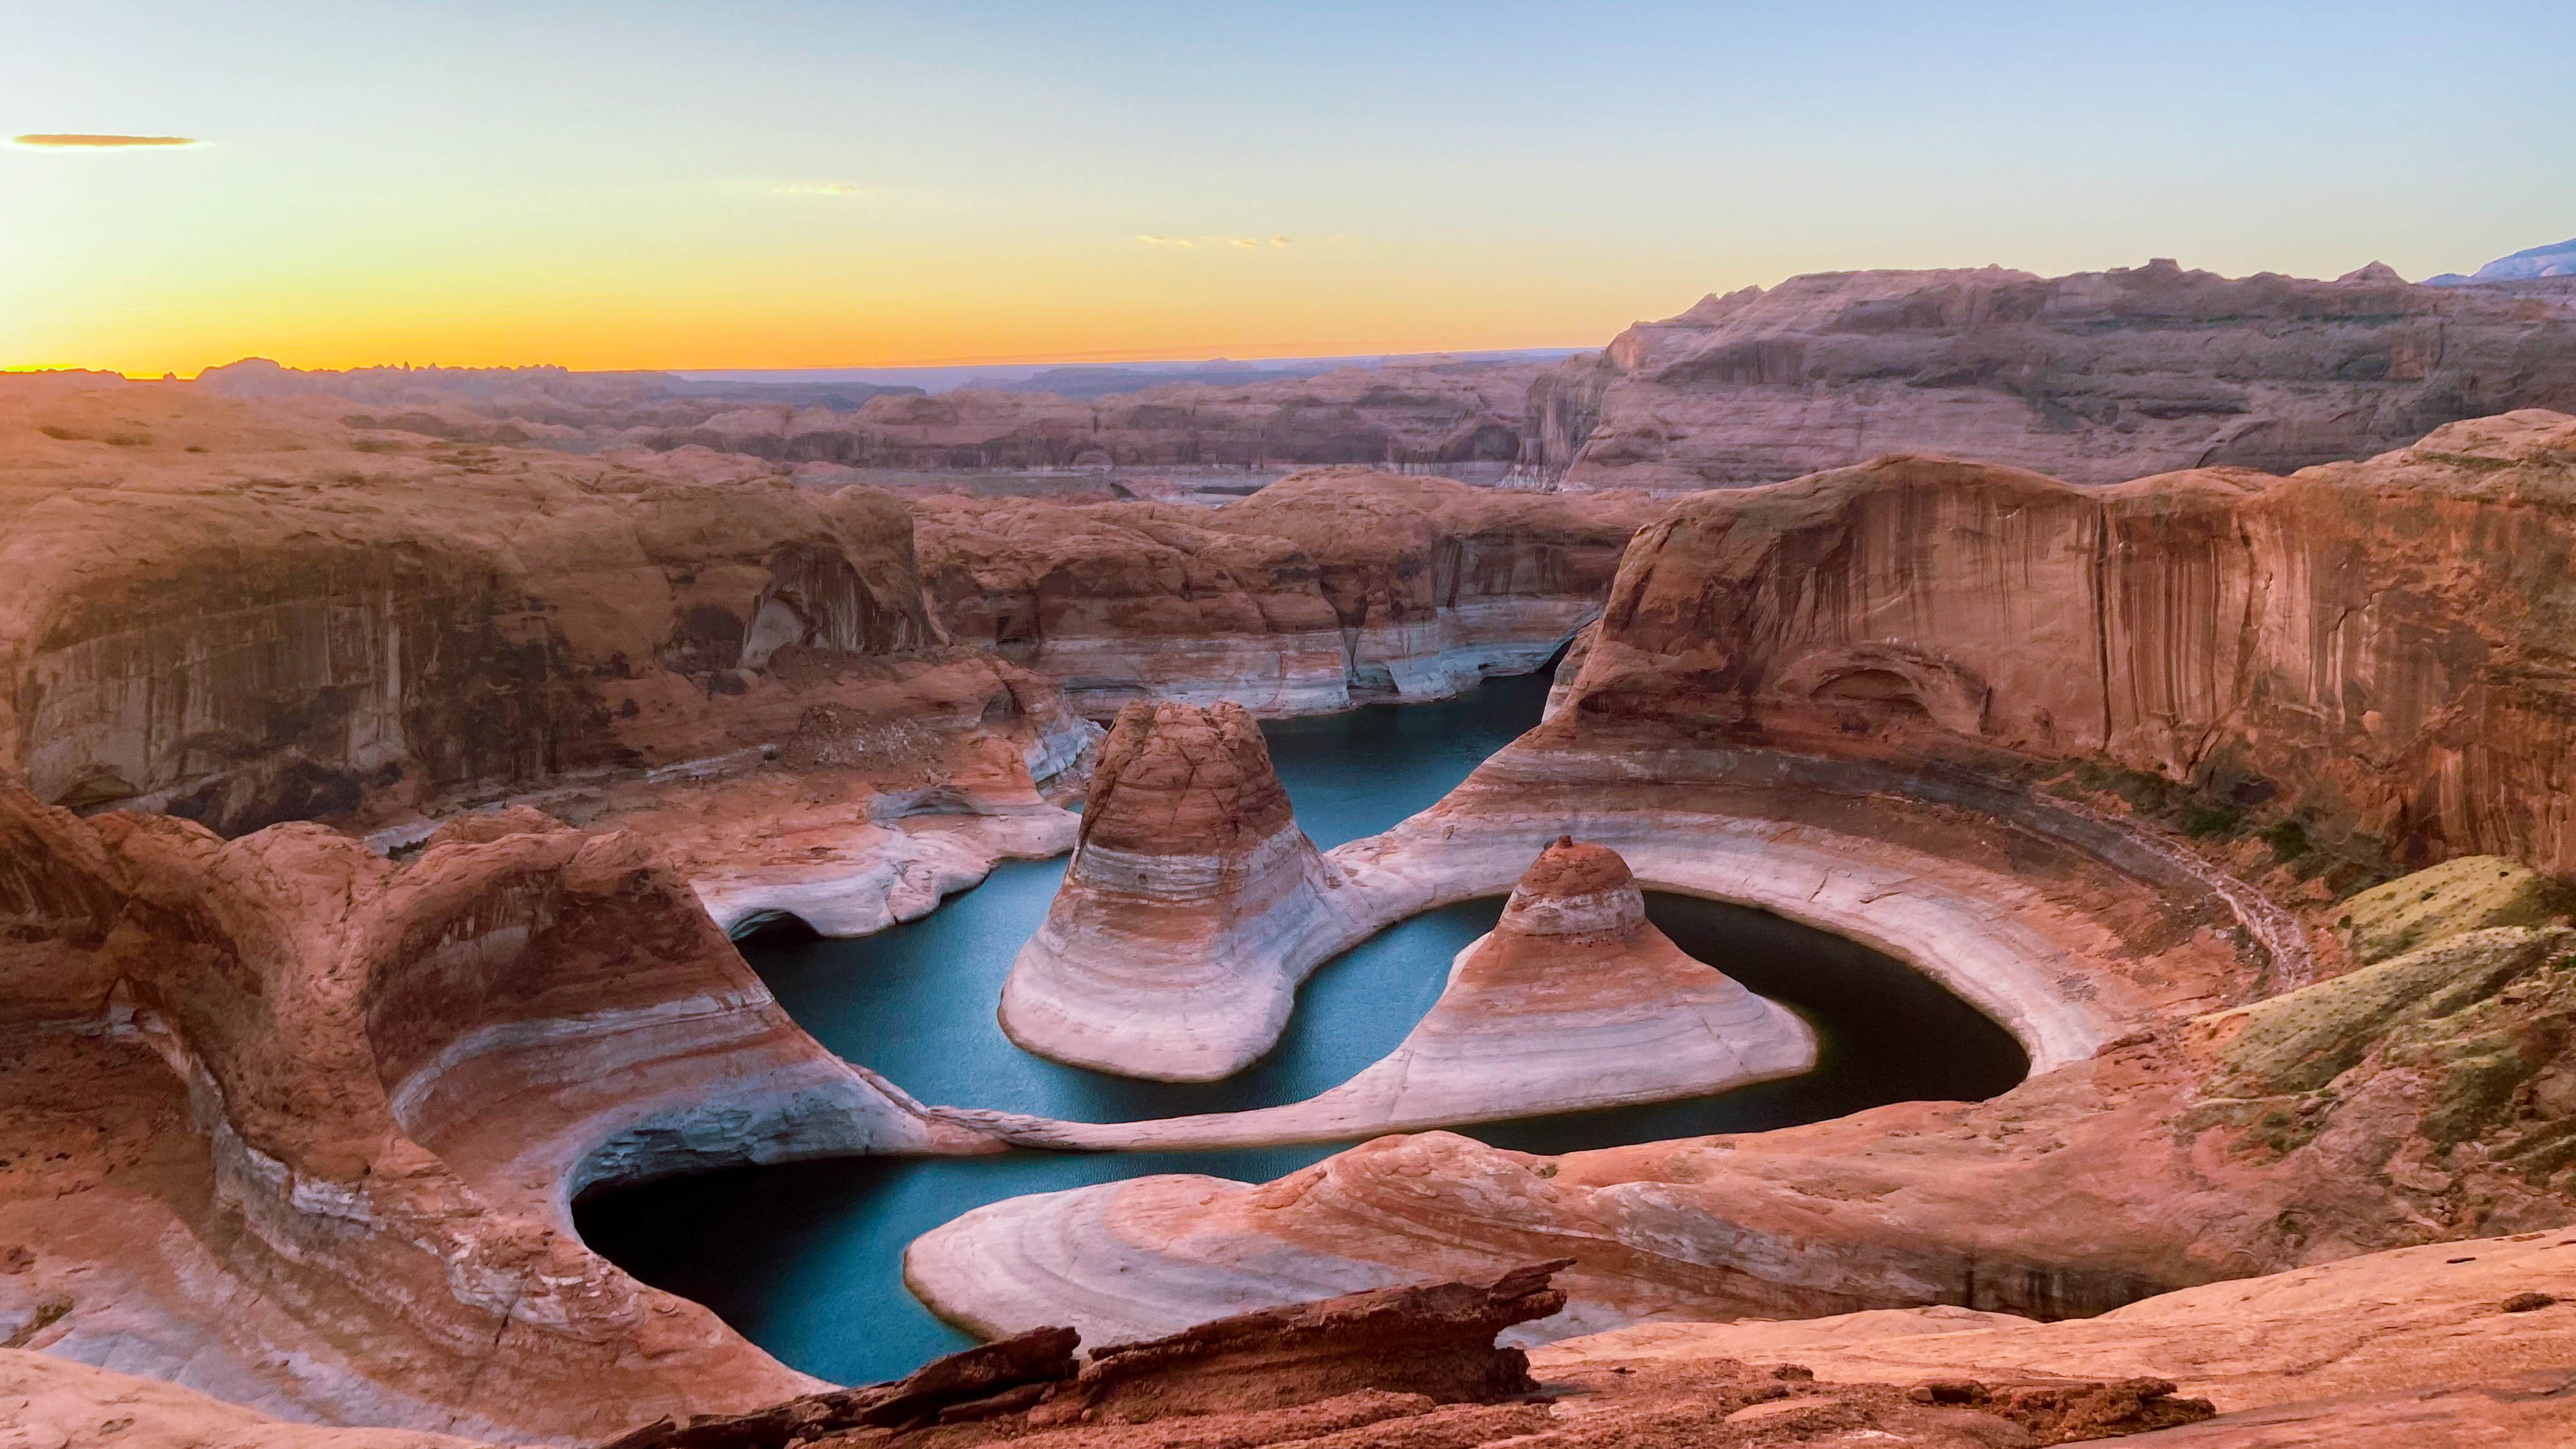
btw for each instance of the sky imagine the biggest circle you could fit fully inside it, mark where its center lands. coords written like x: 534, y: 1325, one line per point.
x: 795, y: 183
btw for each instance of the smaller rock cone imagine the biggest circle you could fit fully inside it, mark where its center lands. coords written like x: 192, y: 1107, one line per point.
x: 1168, y: 952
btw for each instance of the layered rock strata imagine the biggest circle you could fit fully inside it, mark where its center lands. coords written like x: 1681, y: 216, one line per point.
x: 299, y: 1125
x: 1325, y: 589
x: 2095, y: 377
x: 248, y: 613
x: 1573, y: 1002
x: 2366, y: 647
x: 1192, y: 908
x: 1864, y: 700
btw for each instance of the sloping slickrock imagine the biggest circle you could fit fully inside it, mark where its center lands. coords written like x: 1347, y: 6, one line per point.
x: 2095, y: 377
x: 1574, y: 1001
x: 1192, y: 908
x: 2447, y: 1326
x: 298, y: 1125
x: 1327, y: 588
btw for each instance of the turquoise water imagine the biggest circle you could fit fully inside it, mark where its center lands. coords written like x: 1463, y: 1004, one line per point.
x: 805, y: 1259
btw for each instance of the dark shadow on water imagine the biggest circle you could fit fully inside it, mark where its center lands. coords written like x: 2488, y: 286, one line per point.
x: 804, y: 1259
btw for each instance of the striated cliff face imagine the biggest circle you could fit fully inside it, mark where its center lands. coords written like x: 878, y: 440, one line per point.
x: 241, y: 615
x: 1324, y: 589
x: 2094, y: 377
x: 1167, y: 952
x: 2376, y: 646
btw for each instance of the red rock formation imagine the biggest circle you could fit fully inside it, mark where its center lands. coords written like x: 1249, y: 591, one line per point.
x: 301, y: 1122
x: 1174, y: 948
x: 2364, y: 645
x: 2095, y: 377
x: 1573, y: 1002
x: 289, y: 626
x: 1323, y: 589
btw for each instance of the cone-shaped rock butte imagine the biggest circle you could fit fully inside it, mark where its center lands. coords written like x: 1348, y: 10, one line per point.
x: 806, y: 1259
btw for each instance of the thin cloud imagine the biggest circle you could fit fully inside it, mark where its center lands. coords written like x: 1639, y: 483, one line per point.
x: 80, y: 140
x: 1248, y: 243
x: 826, y: 188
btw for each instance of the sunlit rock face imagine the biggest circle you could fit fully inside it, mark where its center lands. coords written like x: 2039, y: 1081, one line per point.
x: 1168, y: 952
x: 2095, y: 377
x: 1328, y: 588
x: 246, y: 614
x: 2371, y: 646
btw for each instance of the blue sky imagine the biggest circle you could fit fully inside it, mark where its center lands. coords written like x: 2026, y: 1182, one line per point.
x: 808, y: 184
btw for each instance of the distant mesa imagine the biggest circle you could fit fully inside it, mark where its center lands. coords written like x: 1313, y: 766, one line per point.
x: 73, y: 140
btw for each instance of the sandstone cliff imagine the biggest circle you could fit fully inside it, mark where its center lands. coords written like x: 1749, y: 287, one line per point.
x: 1174, y: 948
x: 1325, y: 589
x: 2095, y: 377
x: 247, y: 613
x: 2371, y: 646
x: 293, y: 625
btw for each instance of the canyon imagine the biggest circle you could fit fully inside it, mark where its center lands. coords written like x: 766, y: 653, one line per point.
x: 380, y: 805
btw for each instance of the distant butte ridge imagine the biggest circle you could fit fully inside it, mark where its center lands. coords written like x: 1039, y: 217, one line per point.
x: 2096, y: 377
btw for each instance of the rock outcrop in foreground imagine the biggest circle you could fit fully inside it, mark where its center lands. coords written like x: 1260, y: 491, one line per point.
x: 1188, y: 915
x: 1326, y: 589
x: 2096, y: 377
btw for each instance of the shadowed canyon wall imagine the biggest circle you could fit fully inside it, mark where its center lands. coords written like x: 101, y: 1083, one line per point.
x: 2094, y: 377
